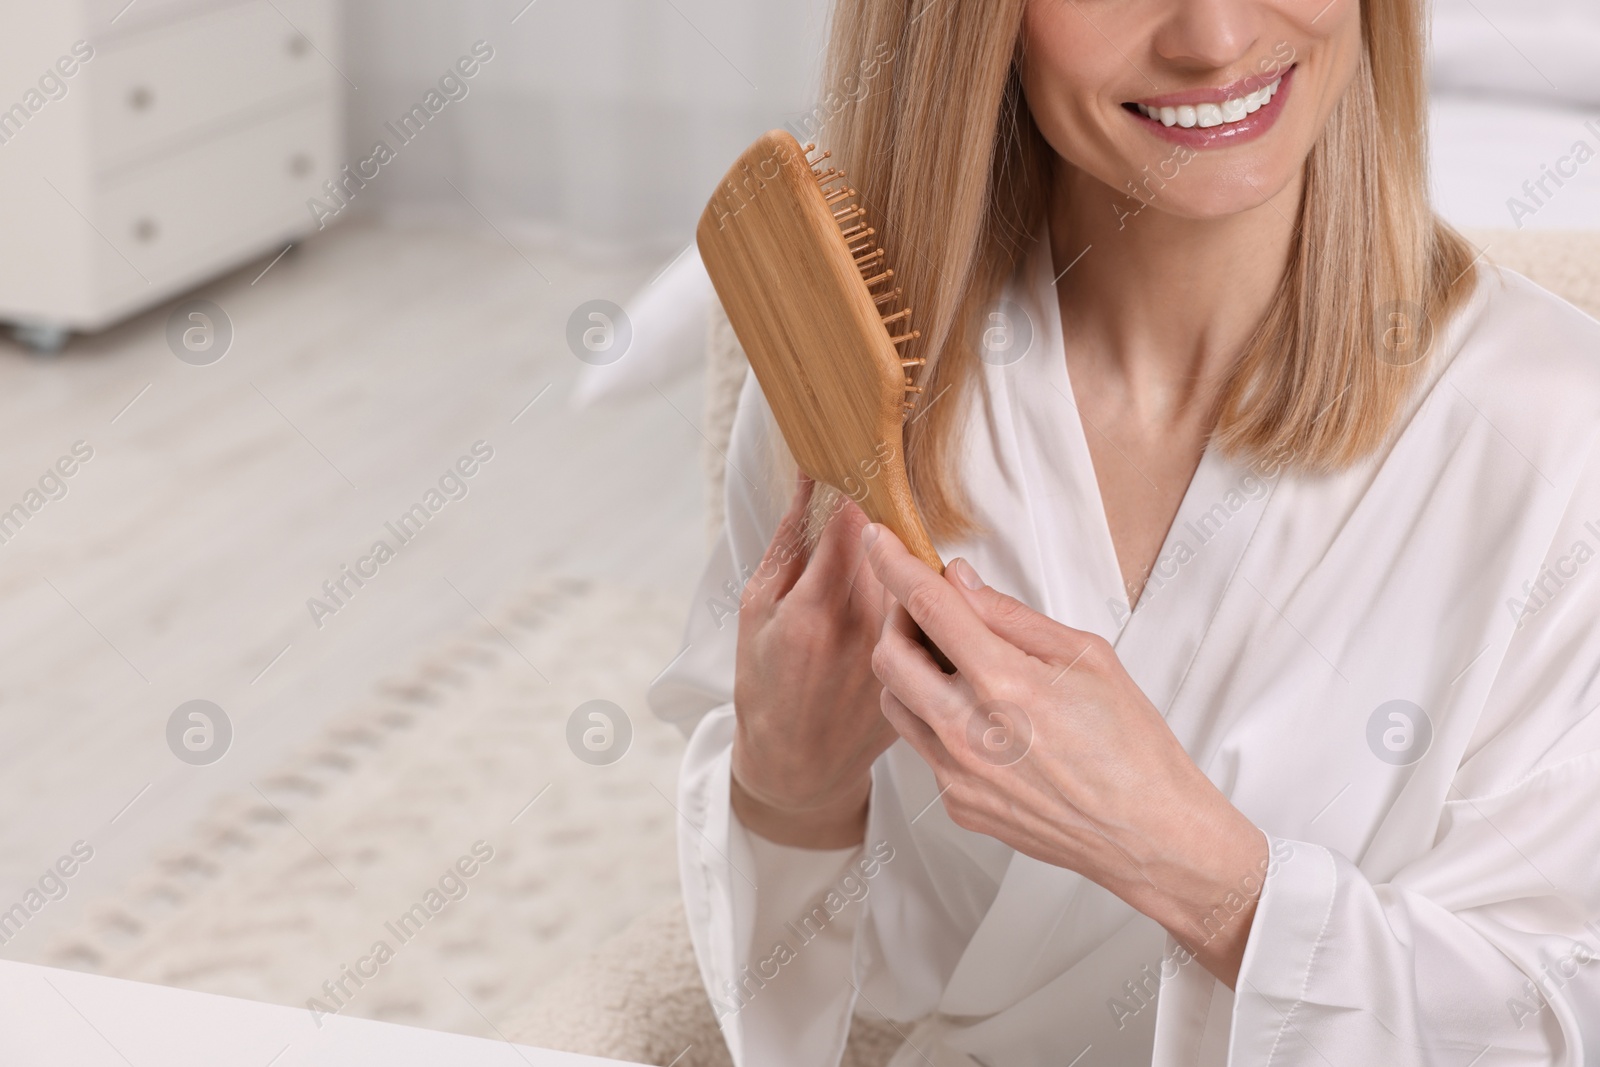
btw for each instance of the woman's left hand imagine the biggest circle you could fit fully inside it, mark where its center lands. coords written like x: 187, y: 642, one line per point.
x: 1043, y: 741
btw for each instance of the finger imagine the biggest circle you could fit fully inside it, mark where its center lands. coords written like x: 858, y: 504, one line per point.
x: 785, y: 559
x: 901, y: 620
x: 1033, y: 632
x: 942, y: 613
x: 837, y: 555
x: 941, y: 701
x: 918, y: 734
x: 876, y: 602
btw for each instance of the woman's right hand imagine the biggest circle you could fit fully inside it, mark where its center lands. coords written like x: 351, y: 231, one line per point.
x: 809, y: 722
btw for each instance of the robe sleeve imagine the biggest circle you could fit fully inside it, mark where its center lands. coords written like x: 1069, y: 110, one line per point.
x: 1485, y: 948
x: 740, y: 891
x: 806, y: 912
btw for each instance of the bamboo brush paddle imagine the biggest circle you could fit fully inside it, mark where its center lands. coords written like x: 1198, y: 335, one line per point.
x: 812, y: 303
x: 811, y: 300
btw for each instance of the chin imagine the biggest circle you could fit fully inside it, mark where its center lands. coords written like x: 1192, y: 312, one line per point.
x: 1220, y: 191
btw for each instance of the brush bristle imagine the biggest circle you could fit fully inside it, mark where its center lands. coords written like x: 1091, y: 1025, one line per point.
x: 869, y: 260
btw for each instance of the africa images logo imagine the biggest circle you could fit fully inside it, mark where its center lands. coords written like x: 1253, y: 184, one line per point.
x: 1399, y: 732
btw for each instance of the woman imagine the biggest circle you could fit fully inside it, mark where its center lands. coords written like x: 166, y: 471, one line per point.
x: 1268, y: 507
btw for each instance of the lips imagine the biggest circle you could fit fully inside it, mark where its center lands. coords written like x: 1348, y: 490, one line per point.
x: 1214, y: 117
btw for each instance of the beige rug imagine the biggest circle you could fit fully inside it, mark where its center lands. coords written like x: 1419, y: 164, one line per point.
x: 280, y: 890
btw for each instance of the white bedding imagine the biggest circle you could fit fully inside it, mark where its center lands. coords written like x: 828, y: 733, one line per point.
x: 1486, y: 148
x: 1516, y: 87
x: 1532, y: 49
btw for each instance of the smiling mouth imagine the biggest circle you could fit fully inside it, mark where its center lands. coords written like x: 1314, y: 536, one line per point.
x: 1224, y: 112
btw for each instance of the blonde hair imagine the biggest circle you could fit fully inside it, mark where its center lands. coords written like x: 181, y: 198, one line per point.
x: 955, y: 176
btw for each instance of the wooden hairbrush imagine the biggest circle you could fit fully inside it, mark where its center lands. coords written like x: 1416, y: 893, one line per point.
x: 812, y: 303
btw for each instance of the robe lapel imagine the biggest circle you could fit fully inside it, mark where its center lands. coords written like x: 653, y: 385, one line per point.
x: 1078, y: 582
x: 1069, y: 568
x: 1195, y: 568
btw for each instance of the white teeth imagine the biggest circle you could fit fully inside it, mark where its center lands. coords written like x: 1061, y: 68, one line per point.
x: 1208, y: 115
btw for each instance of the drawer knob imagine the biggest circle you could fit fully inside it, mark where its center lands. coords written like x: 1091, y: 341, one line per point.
x: 140, y: 98
x: 145, y: 230
x: 299, y: 164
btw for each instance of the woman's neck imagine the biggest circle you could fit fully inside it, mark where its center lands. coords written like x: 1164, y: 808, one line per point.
x: 1159, y: 307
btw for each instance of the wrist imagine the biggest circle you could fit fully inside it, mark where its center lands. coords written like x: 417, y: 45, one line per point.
x: 1200, y: 879
x: 1207, y: 895
x: 832, y: 823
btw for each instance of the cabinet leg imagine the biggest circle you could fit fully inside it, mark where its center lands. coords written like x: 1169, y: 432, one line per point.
x: 41, y: 338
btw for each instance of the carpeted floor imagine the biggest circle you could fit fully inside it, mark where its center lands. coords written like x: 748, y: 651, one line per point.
x: 290, y: 882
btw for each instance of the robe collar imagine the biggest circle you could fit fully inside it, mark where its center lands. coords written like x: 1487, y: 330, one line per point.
x: 1066, y: 567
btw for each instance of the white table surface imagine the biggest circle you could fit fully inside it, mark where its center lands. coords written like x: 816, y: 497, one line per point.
x: 51, y: 1016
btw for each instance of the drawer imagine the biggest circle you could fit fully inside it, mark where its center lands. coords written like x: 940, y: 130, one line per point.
x: 153, y: 91
x: 110, y: 17
x: 192, y: 213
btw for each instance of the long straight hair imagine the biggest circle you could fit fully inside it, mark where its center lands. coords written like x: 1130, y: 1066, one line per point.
x: 956, y: 177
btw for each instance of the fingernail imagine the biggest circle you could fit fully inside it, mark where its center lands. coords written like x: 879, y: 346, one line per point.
x: 968, y: 576
x: 869, y: 534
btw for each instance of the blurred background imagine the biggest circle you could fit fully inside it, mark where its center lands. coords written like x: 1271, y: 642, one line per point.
x: 286, y: 280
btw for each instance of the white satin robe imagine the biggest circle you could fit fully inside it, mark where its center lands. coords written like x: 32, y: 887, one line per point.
x: 1434, y: 910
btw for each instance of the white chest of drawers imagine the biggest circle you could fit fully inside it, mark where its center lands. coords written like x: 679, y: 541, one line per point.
x: 148, y: 146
